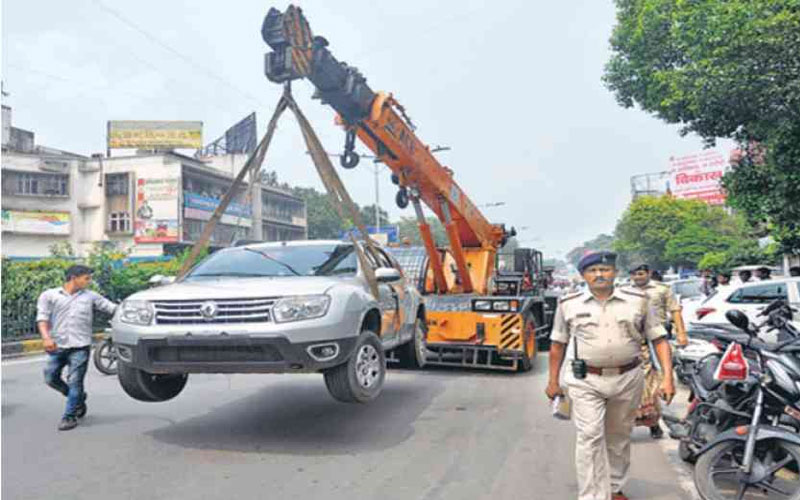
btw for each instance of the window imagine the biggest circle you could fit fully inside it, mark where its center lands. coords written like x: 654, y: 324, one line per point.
x: 761, y: 294
x: 300, y: 260
x: 119, y: 222
x: 35, y: 184
x: 117, y: 184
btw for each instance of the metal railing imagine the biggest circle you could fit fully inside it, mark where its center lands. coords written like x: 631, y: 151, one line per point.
x: 19, y: 321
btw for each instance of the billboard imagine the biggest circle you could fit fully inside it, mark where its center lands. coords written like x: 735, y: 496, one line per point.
x: 155, y: 134
x: 201, y: 207
x: 698, y: 176
x: 36, y: 222
x: 156, y: 210
x: 241, y: 138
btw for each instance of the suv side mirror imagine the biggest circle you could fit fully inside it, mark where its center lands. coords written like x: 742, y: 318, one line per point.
x: 160, y: 280
x: 387, y: 275
x: 738, y: 318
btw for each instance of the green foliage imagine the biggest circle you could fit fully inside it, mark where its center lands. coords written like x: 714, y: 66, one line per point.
x: 722, y: 69
x: 23, y: 281
x: 765, y: 185
x: 61, y: 250
x: 664, y: 231
x: 408, y: 228
x: 323, y: 219
x: 368, y: 216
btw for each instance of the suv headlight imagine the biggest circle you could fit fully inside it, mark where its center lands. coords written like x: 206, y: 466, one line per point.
x: 299, y: 308
x: 136, y: 312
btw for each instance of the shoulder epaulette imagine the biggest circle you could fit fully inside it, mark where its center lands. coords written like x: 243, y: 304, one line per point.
x: 634, y: 292
x: 569, y: 296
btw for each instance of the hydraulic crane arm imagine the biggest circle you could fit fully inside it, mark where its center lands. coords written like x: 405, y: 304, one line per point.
x: 379, y: 121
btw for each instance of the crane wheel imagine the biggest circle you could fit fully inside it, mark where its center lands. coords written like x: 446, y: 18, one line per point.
x: 349, y: 159
x: 402, y: 198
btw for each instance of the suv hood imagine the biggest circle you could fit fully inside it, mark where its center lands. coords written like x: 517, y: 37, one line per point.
x: 238, y: 288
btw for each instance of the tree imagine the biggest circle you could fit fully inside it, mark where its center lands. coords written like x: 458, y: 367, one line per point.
x: 409, y: 229
x: 368, y: 216
x: 664, y: 231
x: 600, y: 242
x: 722, y: 69
x: 322, y: 218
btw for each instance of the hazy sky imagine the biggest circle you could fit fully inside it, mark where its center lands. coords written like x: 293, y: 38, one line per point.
x: 512, y: 87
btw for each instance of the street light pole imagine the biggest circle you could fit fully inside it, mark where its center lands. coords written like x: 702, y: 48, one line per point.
x: 377, y: 200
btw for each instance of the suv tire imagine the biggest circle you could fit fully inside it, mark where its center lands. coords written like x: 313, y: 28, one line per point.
x: 149, y: 387
x: 413, y: 353
x: 360, y: 379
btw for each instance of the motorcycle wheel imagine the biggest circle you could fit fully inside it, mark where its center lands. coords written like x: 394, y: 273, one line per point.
x: 717, y: 472
x: 105, y: 358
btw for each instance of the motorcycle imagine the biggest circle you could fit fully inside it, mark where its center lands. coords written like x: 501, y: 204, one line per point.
x: 105, y: 356
x: 762, y: 454
x: 714, y: 405
x: 686, y: 358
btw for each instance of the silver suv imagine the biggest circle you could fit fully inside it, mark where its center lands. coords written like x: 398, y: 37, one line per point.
x: 300, y: 306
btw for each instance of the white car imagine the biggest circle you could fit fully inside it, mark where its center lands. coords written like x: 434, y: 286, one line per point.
x: 689, y: 293
x: 750, y: 298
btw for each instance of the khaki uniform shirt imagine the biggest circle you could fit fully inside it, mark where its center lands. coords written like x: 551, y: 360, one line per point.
x: 609, y: 333
x: 662, y: 300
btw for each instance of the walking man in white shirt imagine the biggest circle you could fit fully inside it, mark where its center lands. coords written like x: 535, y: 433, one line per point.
x: 64, y: 317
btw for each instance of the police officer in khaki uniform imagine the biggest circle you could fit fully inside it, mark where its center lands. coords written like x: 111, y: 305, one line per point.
x: 606, y: 326
x: 667, y: 309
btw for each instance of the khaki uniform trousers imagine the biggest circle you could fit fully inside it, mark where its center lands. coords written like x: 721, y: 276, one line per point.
x: 604, y: 409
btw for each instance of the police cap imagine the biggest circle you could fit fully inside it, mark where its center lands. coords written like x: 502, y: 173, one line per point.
x: 597, y: 258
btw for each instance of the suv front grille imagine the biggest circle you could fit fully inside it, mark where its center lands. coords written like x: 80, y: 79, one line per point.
x: 213, y: 311
x: 214, y: 354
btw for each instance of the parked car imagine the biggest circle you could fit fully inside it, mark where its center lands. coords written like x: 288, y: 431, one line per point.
x: 750, y: 298
x: 690, y: 295
x: 302, y: 306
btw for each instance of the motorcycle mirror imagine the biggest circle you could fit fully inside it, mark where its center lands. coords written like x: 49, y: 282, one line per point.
x: 738, y: 318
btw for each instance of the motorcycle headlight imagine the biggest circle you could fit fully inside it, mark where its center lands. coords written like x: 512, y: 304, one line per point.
x: 300, y: 308
x: 136, y: 312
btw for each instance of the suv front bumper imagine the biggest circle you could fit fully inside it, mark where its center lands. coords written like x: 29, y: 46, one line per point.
x: 234, y: 354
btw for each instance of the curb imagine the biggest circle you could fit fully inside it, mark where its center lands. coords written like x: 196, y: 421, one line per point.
x: 32, y: 347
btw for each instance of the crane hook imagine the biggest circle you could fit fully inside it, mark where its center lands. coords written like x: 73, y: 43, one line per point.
x: 402, y: 198
x: 349, y: 158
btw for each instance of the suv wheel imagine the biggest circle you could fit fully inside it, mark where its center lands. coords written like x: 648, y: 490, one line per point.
x: 149, y: 387
x: 360, y: 379
x: 412, y: 354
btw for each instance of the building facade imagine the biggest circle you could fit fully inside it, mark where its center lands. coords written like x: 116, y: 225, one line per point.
x: 146, y: 204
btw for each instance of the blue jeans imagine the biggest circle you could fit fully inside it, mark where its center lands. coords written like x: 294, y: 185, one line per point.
x: 77, y: 359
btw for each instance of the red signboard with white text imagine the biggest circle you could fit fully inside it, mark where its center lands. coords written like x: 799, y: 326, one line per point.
x: 698, y: 176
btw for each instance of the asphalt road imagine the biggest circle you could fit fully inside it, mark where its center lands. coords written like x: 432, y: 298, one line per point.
x: 434, y: 434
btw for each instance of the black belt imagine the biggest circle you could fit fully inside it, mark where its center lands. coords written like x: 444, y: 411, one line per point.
x: 619, y: 370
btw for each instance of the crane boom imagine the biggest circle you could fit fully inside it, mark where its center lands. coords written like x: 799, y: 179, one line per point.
x: 380, y: 122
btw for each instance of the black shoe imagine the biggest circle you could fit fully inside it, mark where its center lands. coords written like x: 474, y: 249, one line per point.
x: 656, y: 432
x: 67, y: 423
x: 80, y: 411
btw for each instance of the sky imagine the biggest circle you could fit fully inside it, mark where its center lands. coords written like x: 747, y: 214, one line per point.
x: 513, y: 88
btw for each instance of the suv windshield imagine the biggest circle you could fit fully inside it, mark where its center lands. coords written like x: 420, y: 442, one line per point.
x: 311, y: 260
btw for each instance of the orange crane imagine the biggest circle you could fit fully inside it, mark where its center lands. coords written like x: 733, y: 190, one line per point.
x: 470, y: 323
